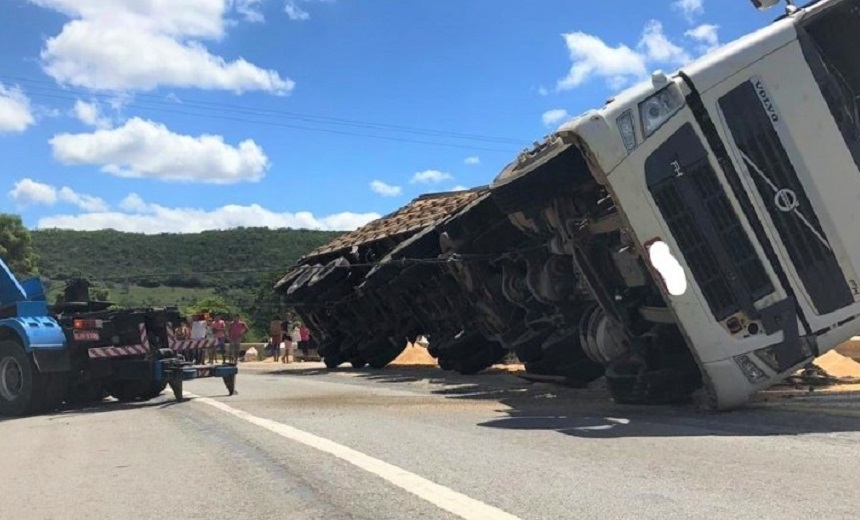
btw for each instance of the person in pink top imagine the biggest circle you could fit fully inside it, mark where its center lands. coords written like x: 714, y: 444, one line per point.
x: 236, y: 332
x: 219, y: 331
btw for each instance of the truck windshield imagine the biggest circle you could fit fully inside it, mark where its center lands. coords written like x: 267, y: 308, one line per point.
x: 830, y: 41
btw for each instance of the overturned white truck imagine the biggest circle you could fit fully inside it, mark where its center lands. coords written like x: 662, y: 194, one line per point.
x: 695, y: 233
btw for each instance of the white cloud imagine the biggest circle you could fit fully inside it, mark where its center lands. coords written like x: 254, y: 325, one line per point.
x: 431, y: 177
x: 472, y: 160
x: 460, y: 187
x: 15, y: 112
x: 250, y: 10
x: 658, y: 48
x: 142, y: 217
x: 551, y: 117
x: 146, y: 44
x: 134, y: 203
x: 28, y: 192
x: 591, y: 56
x: 143, y: 148
x: 85, y: 202
x: 707, y: 35
x: 617, y: 65
x: 689, y: 8
x: 543, y: 91
x: 386, y: 190
x: 294, y: 12
x: 90, y: 114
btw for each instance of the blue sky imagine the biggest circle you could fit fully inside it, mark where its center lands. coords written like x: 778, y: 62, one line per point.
x: 166, y: 115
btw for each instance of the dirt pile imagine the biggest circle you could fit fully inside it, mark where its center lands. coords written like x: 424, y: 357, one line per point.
x: 850, y: 348
x: 414, y: 355
x: 837, y: 365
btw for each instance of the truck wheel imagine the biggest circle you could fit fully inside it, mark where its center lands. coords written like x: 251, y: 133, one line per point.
x: 333, y: 361
x: 487, y: 356
x: 86, y: 393
x: 631, y: 384
x: 386, y: 356
x: 23, y: 390
x: 155, y: 390
x: 126, y: 391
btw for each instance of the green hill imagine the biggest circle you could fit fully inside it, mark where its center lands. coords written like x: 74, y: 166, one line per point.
x: 172, y: 269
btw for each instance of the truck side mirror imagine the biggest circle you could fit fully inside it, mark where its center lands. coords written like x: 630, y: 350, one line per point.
x: 763, y: 5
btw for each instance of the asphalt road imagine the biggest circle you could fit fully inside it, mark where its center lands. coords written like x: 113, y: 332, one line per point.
x: 409, y: 443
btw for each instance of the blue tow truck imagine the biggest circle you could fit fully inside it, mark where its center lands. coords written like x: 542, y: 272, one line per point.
x: 82, y: 351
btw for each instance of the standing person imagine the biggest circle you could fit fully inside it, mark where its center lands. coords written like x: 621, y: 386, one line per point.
x: 275, y: 337
x: 296, y: 334
x: 219, y: 331
x: 198, y: 332
x: 304, y: 340
x: 236, y: 332
x: 287, y: 339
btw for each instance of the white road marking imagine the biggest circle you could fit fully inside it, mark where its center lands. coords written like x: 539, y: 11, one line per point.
x: 438, y: 495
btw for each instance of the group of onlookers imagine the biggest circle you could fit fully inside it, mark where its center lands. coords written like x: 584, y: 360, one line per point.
x: 285, y: 335
x: 228, y: 337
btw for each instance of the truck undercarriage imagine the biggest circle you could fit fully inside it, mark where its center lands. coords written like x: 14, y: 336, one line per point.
x: 539, y: 265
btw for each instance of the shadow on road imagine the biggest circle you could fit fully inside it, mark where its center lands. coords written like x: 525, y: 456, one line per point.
x: 590, y: 412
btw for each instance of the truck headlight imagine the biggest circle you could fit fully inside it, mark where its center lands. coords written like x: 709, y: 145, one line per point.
x: 627, y: 130
x: 658, y: 108
x: 753, y: 373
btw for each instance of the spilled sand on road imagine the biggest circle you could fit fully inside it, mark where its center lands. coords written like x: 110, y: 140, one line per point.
x: 414, y: 356
x: 417, y: 356
x: 837, y: 365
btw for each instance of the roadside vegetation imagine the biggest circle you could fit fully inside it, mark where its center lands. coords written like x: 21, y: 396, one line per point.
x: 221, y: 271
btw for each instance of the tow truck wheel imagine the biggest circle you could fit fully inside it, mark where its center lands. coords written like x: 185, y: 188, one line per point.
x: 125, y: 391
x: 86, y: 393
x: 23, y: 390
x: 16, y: 380
x: 155, y: 390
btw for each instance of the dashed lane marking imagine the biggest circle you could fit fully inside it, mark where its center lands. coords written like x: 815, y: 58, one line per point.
x: 445, y: 498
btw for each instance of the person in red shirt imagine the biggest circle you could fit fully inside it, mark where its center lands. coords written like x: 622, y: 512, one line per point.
x: 236, y: 331
x: 304, y: 339
x: 219, y: 331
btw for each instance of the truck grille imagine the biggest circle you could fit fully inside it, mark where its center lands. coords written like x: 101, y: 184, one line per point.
x: 705, y: 226
x: 776, y: 181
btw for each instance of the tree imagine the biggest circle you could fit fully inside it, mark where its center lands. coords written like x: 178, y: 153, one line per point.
x: 267, y: 304
x: 16, y: 246
x: 214, y: 305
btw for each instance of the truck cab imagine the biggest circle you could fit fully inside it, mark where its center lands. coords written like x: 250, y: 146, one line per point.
x: 732, y: 189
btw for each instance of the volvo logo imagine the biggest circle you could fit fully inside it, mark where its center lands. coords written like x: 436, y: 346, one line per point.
x: 786, y: 200
x: 765, y: 99
x: 676, y: 166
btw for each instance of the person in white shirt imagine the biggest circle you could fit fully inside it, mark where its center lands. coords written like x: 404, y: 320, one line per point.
x: 199, y: 329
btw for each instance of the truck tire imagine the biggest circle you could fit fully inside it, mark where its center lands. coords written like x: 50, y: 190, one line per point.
x: 630, y: 384
x: 129, y: 390
x: 23, y: 390
x: 155, y: 390
x: 382, y: 358
x: 86, y: 393
x: 333, y: 361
